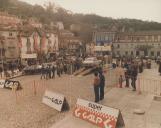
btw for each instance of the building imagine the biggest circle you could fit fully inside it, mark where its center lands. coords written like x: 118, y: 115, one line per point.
x: 103, y: 40
x: 75, y: 27
x: 60, y: 25
x: 9, y: 43
x: 34, y: 23
x: 141, y: 44
x: 53, y: 41
x: 103, y: 37
x: 37, y: 41
x: 7, y: 19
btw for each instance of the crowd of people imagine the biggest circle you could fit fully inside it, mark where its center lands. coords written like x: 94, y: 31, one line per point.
x: 49, y: 71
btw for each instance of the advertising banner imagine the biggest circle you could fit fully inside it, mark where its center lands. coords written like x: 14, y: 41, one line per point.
x: 54, y: 100
x: 102, y: 116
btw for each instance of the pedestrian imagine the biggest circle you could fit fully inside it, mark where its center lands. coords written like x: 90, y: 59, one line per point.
x: 127, y: 74
x: 53, y: 72
x: 49, y: 71
x: 134, y: 73
x: 65, y: 68
x: 120, y: 81
x: 58, y: 70
x: 96, y: 84
x: 160, y: 68
x: 102, y: 84
x: 43, y: 72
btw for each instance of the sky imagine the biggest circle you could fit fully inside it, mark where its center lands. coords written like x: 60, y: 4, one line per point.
x: 149, y: 10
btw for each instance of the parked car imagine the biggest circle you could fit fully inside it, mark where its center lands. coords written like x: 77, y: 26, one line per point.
x: 91, y: 61
x: 33, y: 69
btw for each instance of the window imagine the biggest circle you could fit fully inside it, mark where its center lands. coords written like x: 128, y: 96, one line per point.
x: 126, y: 53
x: 138, y: 38
x: 150, y: 38
x: 11, y: 47
x: 132, y: 53
x: 152, y: 53
x: 137, y: 53
x: 156, y: 38
x: 118, y: 52
x: 158, y: 53
x: 10, y: 34
x: 118, y: 46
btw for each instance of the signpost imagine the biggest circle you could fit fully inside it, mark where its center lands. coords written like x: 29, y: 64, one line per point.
x: 55, y: 100
x: 102, y: 116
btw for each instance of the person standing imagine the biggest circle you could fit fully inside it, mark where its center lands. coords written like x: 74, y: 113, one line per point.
x: 102, y: 84
x: 134, y: 73
x: 127, y: 73
x: 159, y: 68
x: 58, y: 70
x: 43, y: 72
x: 96, y: 84
x: 53, y: 72
x: 49, y: 72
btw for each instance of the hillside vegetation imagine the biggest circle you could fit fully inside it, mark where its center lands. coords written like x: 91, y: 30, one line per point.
x: 51, y: 13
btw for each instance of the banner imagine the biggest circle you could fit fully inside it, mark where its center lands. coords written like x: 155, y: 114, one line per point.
x: 102, y: 116
x: 55, y: 100
x: 10, y: 84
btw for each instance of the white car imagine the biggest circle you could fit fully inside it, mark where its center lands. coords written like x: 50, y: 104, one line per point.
x: 91, y: 61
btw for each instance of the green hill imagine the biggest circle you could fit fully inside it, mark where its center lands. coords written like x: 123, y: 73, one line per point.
x: 87, y: 22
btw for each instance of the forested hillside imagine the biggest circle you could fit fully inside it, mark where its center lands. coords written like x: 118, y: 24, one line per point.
x: 50, y: 12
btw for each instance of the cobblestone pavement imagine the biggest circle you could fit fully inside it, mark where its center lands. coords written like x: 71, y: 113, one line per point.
x: 24, y: 109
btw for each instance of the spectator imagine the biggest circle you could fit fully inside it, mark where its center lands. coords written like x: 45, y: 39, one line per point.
x: 160, y: 68
x: 1, y: 71
x: 53, y: 71
x: 134, y: 77
x: 102, y: 84
x: 96, y: 84
x: 43, y: 72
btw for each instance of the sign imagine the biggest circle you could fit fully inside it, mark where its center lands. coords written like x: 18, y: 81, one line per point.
x: 2, y: 82
x: 29, y: 56
x: 102, y: 116
x: 10, y: 84
x: 102, y: 48
x: 55, y: 100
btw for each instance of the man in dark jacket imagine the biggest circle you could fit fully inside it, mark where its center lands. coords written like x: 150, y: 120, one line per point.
x: 53, y: 71
x: 134, y: 73
x: 102, y: 84
x: 43, y: 72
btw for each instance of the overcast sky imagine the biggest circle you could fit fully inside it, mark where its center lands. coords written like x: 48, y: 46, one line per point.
x: 138, y: 9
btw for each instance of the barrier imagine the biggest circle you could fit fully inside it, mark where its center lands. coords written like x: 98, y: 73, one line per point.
x: 149, y: 85
x: 102, y: 116
x: 31, y: 89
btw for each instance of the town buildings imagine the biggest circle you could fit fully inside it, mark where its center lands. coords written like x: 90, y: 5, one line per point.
x: 29, y: 39
x: 130, y: 44
x: 137, y: 44
x: 7, y: 19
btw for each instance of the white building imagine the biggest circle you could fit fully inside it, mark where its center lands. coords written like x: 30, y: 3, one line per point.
x: 60, y: 25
